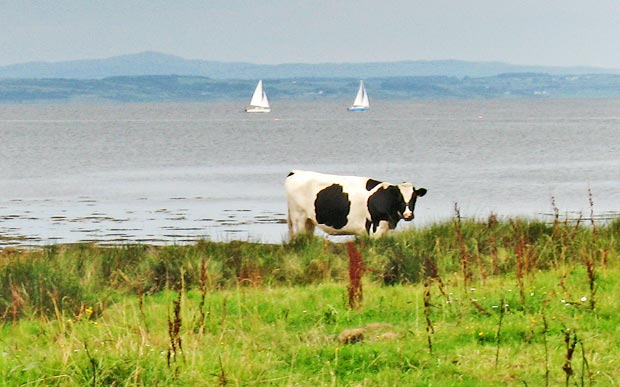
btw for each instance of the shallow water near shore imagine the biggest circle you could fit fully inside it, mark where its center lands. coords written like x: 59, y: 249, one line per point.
x: 175, y: 173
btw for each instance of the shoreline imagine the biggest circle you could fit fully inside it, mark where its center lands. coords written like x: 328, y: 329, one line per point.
x: 243, y: 231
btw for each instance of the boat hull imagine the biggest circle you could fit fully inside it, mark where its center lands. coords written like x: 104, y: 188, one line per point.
x: 257, y: 109
x: 357, y: 109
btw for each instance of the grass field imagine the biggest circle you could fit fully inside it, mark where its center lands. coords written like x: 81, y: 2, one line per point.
x: 464, y: 303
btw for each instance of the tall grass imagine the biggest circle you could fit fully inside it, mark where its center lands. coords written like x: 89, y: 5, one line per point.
x: 68, y: 277
x: 254, y: 314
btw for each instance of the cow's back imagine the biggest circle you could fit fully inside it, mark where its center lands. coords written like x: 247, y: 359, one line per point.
x: 315, y: 181
x: 337, y: 204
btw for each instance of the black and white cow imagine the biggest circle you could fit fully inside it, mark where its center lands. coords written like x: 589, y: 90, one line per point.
x: 347, y: 205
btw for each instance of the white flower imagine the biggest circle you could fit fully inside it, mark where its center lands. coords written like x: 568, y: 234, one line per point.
x: 584, y: 299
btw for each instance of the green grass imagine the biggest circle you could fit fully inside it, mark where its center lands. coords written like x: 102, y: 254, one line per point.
x: 503, y: 299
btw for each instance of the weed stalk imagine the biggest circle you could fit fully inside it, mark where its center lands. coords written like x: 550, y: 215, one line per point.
x: 427, y: 314
x: 141, y: 305
x: 174, y: 333
x: 203, y: 294
x: 221, y: 376
x: 356, y: 270
x: 589, y: 255
x: 498, y: 336
x: 585, y: 366
x: 520, y: 259
x: 545, y: 332
x: 17, y: 302
x: 93, y: 364
x: 570, y: 340
x: 463, y: 248
x: 431, y: 272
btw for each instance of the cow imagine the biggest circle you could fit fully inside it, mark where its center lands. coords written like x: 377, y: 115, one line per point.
x: 347, y: 205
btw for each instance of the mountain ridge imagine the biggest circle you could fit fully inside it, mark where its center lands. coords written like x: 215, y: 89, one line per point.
x: 156, y: 63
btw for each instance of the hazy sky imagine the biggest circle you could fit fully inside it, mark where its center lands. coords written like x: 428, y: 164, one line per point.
x: 543, y: 32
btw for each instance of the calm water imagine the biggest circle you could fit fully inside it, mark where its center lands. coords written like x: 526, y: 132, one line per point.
x: 173, y: 173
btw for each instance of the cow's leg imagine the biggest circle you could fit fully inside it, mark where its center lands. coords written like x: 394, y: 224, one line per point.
x: 299, y: 223
x: 382, y: 229
x: 300, y: 226
x: 309, y: 226
x: 291, y: 230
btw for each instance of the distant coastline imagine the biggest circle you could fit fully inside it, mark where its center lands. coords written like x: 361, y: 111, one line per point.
x: 156, y: 77
x: 175, y: 88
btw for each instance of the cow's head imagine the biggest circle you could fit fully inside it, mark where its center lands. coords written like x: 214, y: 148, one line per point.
x: 410, y: 195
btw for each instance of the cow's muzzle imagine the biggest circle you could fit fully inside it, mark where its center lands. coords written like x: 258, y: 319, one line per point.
x: 408, y: 217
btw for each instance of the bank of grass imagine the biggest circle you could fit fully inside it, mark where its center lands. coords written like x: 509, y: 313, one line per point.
x: 463, y: 303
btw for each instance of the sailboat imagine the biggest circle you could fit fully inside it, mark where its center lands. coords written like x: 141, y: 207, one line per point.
x: 259, y: 102
x: 361, y: 100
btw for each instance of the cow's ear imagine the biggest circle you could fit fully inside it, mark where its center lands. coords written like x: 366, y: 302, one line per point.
x: 420, y: 192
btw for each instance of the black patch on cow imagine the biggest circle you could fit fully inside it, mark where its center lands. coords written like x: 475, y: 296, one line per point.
x: 371, y: 183
x: 332, y: 206
x: 416, y: 194
x: 386, y: 204
x: 290, y: 174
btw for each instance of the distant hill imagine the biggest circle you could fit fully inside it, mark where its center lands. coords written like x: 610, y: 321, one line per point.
x: 154, y: 63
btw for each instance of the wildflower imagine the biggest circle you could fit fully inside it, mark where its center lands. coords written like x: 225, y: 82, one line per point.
x: 584, y: 299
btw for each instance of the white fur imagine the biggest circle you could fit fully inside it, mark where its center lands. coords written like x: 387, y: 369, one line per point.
x: 302, y: 188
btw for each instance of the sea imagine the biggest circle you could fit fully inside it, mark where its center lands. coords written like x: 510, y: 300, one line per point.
x: 175, y: 173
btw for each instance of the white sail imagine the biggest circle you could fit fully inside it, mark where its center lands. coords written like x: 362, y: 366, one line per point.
x: 361, y: 99
x: 365, y: 102
x: 259, y: 102
x: 264, y: 102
